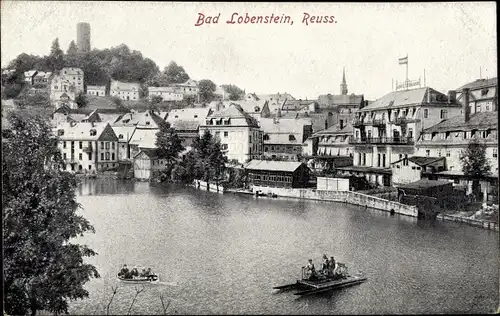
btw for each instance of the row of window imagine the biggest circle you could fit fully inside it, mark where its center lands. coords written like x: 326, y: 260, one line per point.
x: 282, y: 148
x: 458, y: 134
x: 104, y: 156
x: 104, y: 145
x: 271, y: 178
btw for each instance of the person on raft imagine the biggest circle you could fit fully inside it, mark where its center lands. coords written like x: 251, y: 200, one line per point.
x: 310, y: 270
x: 124, y: 272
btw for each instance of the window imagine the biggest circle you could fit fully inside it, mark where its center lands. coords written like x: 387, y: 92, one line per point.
x: 102, y: 145
x: 217, y: 134
x: 81, y: 145
x: 89, y: 156
x: 120, y: 136
x: 250, y: 139
x: 291, y: 137
x: 495, y: 153
x: 112, y: 145
x: 364, y: 158
x: 418, y: 168
x: 107, y: 156
x: 60, y: 132
x: 64, y: 144
x: 413, y: 168
x: 107, y: 145
x: 478, y: 108
x: 484, y: 92
x: 226, y: 134
x: 102, y: 156
x: 426, y: 113
x: 80, y: 157
x: 64, y: 156
x: 405, y: 162
x: 444, y: 114
x: 224, y: 146
x: 427, y: 152
x: 448, y: 153
x: 113, y: 156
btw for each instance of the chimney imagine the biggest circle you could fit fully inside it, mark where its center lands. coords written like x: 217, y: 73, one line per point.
x: 452, y: 96
x: 428, y: 95
x: 326, y: 124
x: 465, y: 106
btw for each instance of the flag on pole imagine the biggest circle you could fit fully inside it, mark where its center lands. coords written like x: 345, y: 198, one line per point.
x: 403, y: 60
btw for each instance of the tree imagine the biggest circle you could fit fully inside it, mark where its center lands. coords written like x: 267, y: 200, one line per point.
x: 38, y: 100
x: 81, y: 100
x: 207, y: 89
x: 42, y: 269
x: 154, y: 102
x: 56, y: 57
x: 475, y: 164
x: 168, y: 144
x: 234, y: 92
x: 118, y: 103
x: 175, y: 73
x: 72, y: 57
x: 72, y: 49
x: 207, y: 160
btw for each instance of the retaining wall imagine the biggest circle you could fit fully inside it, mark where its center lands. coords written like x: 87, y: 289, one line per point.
x: 342, y: 196
x: 473, y: 222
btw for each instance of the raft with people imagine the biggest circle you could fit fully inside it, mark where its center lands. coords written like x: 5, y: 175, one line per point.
x: 134, y: 276
x: 332, y: 275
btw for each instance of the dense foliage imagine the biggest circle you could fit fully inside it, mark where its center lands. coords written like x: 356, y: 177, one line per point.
x: 81, y: 100
x: 42, y: 269
x: 207, y: 90
x: 207, y: 161
x: 475, y: 164
x: 173, y: 73
x: 235, y: 93
x: 168, y: 144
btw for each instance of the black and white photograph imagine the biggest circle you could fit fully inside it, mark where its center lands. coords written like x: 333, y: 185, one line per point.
x: 249, y: 158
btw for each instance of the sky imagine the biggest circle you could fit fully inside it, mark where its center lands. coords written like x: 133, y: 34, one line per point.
x: 454, y: 42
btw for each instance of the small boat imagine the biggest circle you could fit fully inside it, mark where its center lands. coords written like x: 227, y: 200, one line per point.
x: 323, y: 283
x: 153, y: 278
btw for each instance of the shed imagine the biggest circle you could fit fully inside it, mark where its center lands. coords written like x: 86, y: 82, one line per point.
x: 285, y: 174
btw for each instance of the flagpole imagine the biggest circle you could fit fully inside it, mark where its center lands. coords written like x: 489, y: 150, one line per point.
x: 407, y: 71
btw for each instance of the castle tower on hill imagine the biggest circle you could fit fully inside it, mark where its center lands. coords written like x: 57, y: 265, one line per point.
x: 83, y: 37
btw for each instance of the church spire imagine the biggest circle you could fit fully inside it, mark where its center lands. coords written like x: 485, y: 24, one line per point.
x: 343, y: 85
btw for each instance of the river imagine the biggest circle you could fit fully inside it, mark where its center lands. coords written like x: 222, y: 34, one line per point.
x: 222, y: 254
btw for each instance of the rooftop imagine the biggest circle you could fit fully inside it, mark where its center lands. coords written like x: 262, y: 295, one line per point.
x: 144, y: 138
x: 335, y: 130
x: 342, y: 99
x: 420, y: 160
x: 425, y: 184
x: 480, y: 83
x: 81, y: 130
x: 289, y: 166
x: 234, y: 111
x: 124, y: 86
x: 481, y: 120
x: 125, y: 131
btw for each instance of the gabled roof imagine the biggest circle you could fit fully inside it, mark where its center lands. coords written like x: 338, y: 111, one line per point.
x: 71, y: 71
x: 144, y: 138
x: 125, y: 86
x: 420, y: 160
x: 289, y: 166
x: 234, y: 111
x: 81, y: 130
x: 480, y: 83
x: 188, y: 119
x: 150, y: 152
x: 405, y: 98
x: 252, y: 107
x: 481, y: 120
x: 335, y: 130
x: 126, y: 131
x: 425, y: 184
x: 343, y: 99
x: 96, y: 87
x: 297, y: 105
x: 162, y: 89
x: 30, y: 73
x: 279, y: 130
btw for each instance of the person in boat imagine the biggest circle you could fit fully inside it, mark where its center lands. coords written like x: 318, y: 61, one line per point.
x: 134, y: 272
x: 331, y: 266
x: 324, y: 265
x: 148, y: 272
x: 124, y: 271
x: 310, y: 270
x: 143, y: 273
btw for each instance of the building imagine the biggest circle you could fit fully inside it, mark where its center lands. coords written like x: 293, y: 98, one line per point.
x: 125, y: 90
x: 87, y: 147
x: 83, y: 37
x: 284, y: 138
x: 340, y: 108
x: 186, y: 122
x: 29, y: 76
x: 166, y: 93
x: 99, y: 91
x: 256, y: 109
x: 142, y: 139
x: 408, y: 170
x: 275, y: 101
x: 124, y: 134
x: 386, y: 130
x: 188, y: 88
x: 483, y: 95
x: 239, y: 133
x: 65, y: 85
x: 147, y: 164
x: 281, y: 174
x: 42, y: 78
x: 145, y: 120
x: 221, y: 94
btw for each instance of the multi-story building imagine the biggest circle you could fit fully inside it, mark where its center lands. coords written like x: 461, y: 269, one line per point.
x: 86, y: 147
x: 450, y: 138
x: 42, y: 78
x: 124, y: 134
x: 99, y: 91
x: 284, y: 138
x: 239, y: 133
x: 386, y: 129
x: 188, y: 88
x: 186, y: 122
x: 29, y: 76
x: 66, y: 84
x: 166, y: 93
x: 483, y: 95
x: 125, y: 90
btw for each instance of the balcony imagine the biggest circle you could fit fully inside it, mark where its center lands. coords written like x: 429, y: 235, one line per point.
x: 382, y: 140
x: 375, y: 122
x: 403, y: 120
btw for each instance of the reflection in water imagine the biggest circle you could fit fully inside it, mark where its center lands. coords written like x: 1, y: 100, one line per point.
x: 224, y: 253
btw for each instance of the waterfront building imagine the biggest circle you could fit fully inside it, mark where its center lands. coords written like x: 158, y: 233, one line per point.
x: 166, y: 93
x: 99, y: 91
x: 408, y: 170
x: 125, y: 90
x: 284, y: 138
x: 29, y: 76
x: 87, y: 146
x: 385, y: 130
x: 143, y: 138
x: 238, y: 132
x: 147, y: 164
x: 124, y: 134
x: 281, y: 174
x: 186, y: 122
x: 483, y: 95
